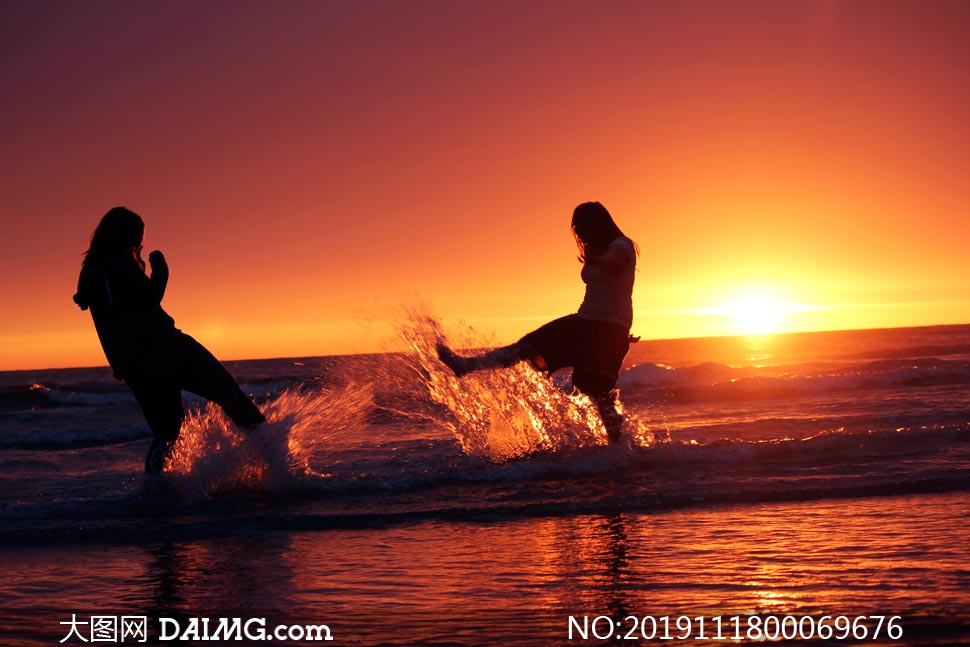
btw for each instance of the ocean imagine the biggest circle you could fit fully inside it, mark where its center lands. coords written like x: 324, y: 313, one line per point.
x: 765, y: 486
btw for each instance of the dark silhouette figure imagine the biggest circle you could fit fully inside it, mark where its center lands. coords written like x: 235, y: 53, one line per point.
x: 593, y: 341
x: 140, y: 340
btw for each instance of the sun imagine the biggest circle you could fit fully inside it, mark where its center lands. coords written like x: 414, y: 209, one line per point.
x: 757, y: 315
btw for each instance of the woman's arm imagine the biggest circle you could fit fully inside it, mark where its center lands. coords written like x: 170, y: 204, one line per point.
x: 614, y: 258
x: 159, y: 278
x: 131, y: 287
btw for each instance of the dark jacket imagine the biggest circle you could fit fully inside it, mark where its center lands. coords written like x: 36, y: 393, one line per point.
x: 138, y: 337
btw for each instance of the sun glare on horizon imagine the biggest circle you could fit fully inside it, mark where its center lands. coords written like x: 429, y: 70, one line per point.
x: 758, y: 314
x: 751, y: 313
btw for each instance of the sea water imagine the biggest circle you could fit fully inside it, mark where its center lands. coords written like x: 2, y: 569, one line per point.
x: 805, y: 476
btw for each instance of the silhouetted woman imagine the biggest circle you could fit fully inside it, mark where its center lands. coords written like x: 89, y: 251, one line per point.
x: 593, y: 341
x: 140, y: 340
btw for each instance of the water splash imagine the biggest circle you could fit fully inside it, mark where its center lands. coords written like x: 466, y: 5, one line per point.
x: 499, y: 415
x: 302, y: 427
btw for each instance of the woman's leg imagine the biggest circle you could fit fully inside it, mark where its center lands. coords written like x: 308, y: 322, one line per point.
x: 600, y: 387
x: 594, y: 349
x: 612, y: 420
x: 201, y: 373
x: 497, y: 358
x: 548, y: 348
x: 600, y: 356
x: 161, y: 403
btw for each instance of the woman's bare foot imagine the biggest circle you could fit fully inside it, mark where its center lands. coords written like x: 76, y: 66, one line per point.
x: 459, y: 365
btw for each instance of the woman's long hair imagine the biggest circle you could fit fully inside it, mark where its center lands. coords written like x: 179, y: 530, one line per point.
x: 120, y: 230
x: 594, y: 228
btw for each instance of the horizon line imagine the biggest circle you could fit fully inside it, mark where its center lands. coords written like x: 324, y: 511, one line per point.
x: 399, y: 352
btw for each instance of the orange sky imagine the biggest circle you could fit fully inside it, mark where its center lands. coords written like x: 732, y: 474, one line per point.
x: 311, y: 167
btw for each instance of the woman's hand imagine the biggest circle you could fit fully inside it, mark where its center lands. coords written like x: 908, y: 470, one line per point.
x: 157, y: 260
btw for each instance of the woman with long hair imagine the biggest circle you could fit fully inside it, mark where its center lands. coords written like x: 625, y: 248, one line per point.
x: 596, y: 338
x: 140, y: 340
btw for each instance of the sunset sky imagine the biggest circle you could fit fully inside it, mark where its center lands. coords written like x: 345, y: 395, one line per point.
x: 311, y: 168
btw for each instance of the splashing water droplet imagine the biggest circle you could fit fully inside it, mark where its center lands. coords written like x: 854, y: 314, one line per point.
x: 302, y: 427
x: 503, y: 414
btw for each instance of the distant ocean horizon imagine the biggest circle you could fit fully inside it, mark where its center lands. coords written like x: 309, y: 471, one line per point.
x: 804, y: 474
x: 741, y: 340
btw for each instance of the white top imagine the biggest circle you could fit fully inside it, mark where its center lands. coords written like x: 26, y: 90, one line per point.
x: 609, y: 293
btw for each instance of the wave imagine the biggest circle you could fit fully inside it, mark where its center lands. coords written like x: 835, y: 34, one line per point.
x: 923, y: 350
x: 33, y: 396
x: 41, y: 417
x: 712, y: 380
x: 212, y: 487
x: 30, y: 397
x: 92, y: 435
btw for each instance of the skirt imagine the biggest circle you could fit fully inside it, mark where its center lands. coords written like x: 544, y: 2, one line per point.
x: 595, y: 350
